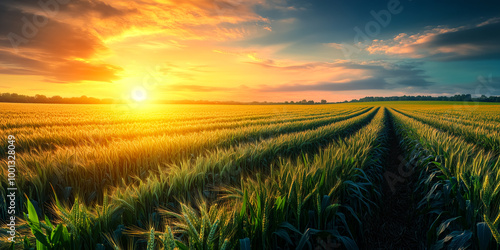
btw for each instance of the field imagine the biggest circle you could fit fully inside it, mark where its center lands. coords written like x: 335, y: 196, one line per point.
x: 379, y: 175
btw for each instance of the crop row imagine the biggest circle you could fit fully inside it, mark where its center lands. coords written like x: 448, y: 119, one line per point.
x: 490, y: 140
x: 469, y: 112
x: 226, y: 166
x: 83, y: 170
x: 290, y: 189
x: 182, y: 182
x: 50, y: 138
x: 291, y: 207
x: 460, y: 186
x: 482, y: 123
x: 105, y: 122
x: 34, y: 116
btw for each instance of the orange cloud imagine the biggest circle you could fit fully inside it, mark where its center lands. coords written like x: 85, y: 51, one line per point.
x: 74, y: 42
x: 187, y: 44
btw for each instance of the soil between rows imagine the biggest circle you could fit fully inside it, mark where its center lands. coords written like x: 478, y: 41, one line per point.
x: 397, y: 224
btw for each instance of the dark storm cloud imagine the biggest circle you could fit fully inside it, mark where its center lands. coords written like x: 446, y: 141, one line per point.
x: 484, y: 85
x: 476, y: 43
x: 480, y: 41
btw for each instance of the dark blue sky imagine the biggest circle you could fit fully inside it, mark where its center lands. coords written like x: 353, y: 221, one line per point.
x: 452, y: 59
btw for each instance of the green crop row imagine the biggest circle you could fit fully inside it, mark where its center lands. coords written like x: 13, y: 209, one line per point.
x: 459, y: 186
x: 302, y: 202
x: 490, y: 140
x: 137, y: 205
x: 50, y: 138
x: 83, y: 170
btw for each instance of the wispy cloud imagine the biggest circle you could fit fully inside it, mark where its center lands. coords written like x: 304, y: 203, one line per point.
x: 479, y: 41
x: 343, y: 75
x: 365, y: 84
x: 194, y: 88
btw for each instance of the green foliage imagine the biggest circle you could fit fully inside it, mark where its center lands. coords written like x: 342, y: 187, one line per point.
x: 250, y: 177
x: 55, y: 237
x: 460, y: 183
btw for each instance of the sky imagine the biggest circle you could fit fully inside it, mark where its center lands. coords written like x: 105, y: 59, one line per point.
x: 265, y: 50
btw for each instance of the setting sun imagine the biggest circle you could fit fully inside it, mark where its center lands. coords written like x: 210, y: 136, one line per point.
x: 139, y: 94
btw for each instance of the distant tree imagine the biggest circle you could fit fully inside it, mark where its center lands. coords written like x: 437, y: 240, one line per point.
x: 286, y: 102
x: 56, y: 99
x: 41, y: 98
x: 14, y: 97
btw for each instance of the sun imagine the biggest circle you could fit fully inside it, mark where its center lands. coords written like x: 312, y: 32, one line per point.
x: 139, y: 94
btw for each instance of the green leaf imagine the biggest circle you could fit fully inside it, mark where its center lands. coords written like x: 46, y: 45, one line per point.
x: 290, y: 227
x: 33, y: 217
x: 244, y: 205
x: 431, y: 233
x: 40, y: 239
x: 484, y: 235
x: 56, y: 235
x: 445, y: 225
x: 284, y: 235
x: 181, y: 245
x: 40, y: 246
x: 461, y: 241
x: 493, y: 229
x: 34, y: 224
x: 304, y: 240
x: 245, y: 244
x: 47, y: 221
x: 348, y: 242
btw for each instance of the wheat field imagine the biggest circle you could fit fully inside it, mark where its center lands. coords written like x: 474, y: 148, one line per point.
x: 251, y: 176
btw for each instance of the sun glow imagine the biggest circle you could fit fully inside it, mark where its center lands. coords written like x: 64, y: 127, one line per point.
x: 139, y: 94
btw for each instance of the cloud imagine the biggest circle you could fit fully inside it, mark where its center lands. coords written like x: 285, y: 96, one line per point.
x: 75, y: 7
x: 471, y: 42
x: 365, y: 84
x: 194, y: 88
x: 58, y: 70
x: 70, y: 42
x: 58, y: 51
x: 183, y: 72
x: 351, y: 75
x: 483, y: 85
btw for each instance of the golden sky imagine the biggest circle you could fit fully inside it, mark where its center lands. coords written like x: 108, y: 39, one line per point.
x: 204, y: 50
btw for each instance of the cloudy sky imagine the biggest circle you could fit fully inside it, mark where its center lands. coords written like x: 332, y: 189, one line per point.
x: 273, y: 50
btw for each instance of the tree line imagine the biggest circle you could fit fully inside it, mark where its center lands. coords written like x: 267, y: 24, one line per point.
x: 463, y: 97
x: 17, y: 98
x: 13, y: 97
